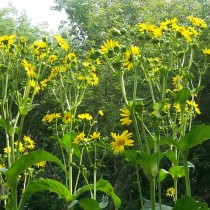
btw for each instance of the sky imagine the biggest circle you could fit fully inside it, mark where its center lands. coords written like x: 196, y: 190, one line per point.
x: 38, y: 11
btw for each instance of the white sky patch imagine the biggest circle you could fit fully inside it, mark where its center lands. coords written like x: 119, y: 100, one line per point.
x: 38, y: 11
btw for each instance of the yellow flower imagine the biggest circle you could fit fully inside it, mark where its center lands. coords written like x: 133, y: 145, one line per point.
x: 62, y: 42
x: 170, y: 192
x: 28, y: 142
x: 85, y: 116
x: 43, y: 83
x: 95, y: 135
x: 7, y: 149
x: 70, y: 57
x: 130, y: 56
x: 100, y: 112
x: 169, y: 22
x: 195, y: 106
x: 7, y: 40
x: 50, y: 117
x: 21, y: 146
x: 120, y: 141
x: 41, y: 164
x: 67, y: 117
x: 92, y: 79
x: 32, y: 83
x: 39, y: 44
x: 52, y: 58
x: 30, y: 69
x: 166, y: 108
x: 206, y: 51
x: 197, y: 22
x: 126, y: 117
x: 109, y: 45
x: 80, y: 137
x: 177, y: 82
x: 23, y: 39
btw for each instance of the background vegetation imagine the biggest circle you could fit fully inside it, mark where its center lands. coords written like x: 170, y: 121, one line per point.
x: 85, y: 17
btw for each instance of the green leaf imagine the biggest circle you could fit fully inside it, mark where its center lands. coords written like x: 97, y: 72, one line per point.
x: 182, y: 97
x: 67, y: 139
x: 73, y: 204
x: 177, y: 171
x: 170, y: 154
x: 132, y: 157
x: 103, y: 186
x: 104, y: 203
x: 6, y: 125
x: 162, y: 174
x: 26, y: 161
x: 89, y: 203
x: 150, y: 163
x: 196, y: 136
x: 187, y: 203
x: 46, y: 184
x: 168, y: 141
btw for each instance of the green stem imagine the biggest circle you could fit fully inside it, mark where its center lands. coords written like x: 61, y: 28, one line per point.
x: 122, y: 84
x: 135, y: 85
x: 138, y: 136
x: 94, y: 182
x: 152, y: 193
x: 94, y: 172
x: 78, y: 175
x: 70, y: 172
x: 139, y: 188
x: 14, y: 197
x: 144, y: 133
x: 187, y: 177
x: 175, y: 188
x: 22, y: 117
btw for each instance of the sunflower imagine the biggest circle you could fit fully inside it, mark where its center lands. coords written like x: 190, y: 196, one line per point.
x: 28, y: 142
x: 80, y: 137
x: 197, y: 22
x: 120, y: 141
x: 130, y: 56
x: 62, y: 42
x: 29, y: 68
x: 67, y: 117
x: 85, y: 116
x: 101, y: 113
x: 41, y: 164
x: 95, y: 135
x: 126, y: 117
x: 109, y: 45
x: 50, y: 117
x: 170, y: 192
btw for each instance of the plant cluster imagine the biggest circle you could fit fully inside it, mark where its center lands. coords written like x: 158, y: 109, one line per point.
x: 160, y: 58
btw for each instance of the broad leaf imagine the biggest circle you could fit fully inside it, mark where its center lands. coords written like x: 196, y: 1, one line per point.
x: 187, y: 203
x: 177, y: 171
x: 132, y: 157
x: 103, y: 186
x: 170, y: 154
x: 67, y: 139
x: 88, y: 203
x: 104, y: 203
x: 6, y: 125
x: 26, y: 161
x: 150, y: 163
x: 168, y: 141
x: 182, y: 97
x: 196, y: 136
x: 162, y: 174
x: 46, y: 184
